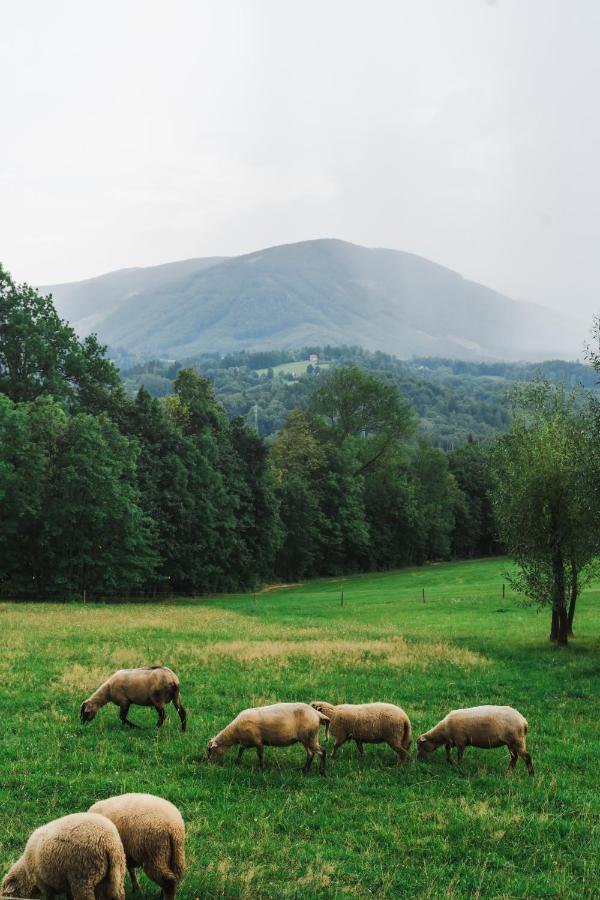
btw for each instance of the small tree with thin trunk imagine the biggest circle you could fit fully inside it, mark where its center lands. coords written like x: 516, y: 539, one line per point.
x: 546, y: 476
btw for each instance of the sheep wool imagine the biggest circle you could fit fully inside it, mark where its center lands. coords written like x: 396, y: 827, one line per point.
x: 80, y: 855
x: 278, y: 725
x: 154, y: 686
x: 368, y: 723
x: 153, y: 835
x: 479, y: 726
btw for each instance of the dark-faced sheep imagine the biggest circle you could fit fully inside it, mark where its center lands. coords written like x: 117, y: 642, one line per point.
x: 80, y: 856
x: 368, y: 723
x: 154, y: 686
x: 479, y: 726
x: 153, y: 836
x: 279, y: 725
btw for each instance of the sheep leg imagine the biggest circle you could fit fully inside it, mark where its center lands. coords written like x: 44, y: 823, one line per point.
x: 527, y: 760
x: 401, y: 753
x: 164, y: 878
x: 322, y: 754
x: 161, y: 715
x: 359, y: 747
x: 261, y: 756
x: 180, y: 710
x: 238, y: 758
x: 513, y: 760
x: 134, y: 879
x: 338, y: 743
x: 123, y: 716
x: 309, y: 758
x: 449, y: 754
x: 461, y: 753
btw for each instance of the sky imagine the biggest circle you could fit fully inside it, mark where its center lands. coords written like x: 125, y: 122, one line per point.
x: 135, y: 132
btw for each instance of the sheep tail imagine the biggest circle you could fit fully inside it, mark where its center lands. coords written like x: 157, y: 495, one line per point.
x: 407, y: 738
x: 177, y: 856
x: 325, y: 720
x: 115, y: 876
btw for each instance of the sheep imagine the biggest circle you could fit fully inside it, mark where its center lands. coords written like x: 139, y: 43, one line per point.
x: 151, y: 686
x: 80, y: 855
x: 479, y: 726
x: 368, y: 723
x: 153, y: 835
x: 278, y: 725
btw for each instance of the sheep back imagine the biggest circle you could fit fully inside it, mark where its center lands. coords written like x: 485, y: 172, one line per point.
x: 151, y: 828
x: 370, y: 723
x: 143, y: 687
x: 485, y: 726
x: 76, y: 854
x: 278, y: 725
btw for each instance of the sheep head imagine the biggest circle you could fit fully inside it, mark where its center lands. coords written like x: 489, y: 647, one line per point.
x: 425, y: 746
x: 17, y: 884
x: 87, y: 712
x: 215, y: 751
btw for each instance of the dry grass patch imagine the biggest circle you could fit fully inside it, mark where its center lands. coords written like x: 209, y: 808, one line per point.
x: 396, y: 652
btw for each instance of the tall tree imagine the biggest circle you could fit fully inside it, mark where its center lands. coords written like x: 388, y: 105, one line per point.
x: 366, y: 409
x: 41, y: 355
x: 546, y: 498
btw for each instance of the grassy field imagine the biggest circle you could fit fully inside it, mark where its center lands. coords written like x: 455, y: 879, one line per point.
x: 370, y: 829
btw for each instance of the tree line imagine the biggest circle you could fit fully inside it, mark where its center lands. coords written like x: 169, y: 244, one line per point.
x: 104, y: 494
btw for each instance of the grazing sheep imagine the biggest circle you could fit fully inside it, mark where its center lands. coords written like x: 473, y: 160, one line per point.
x: 152, y: 686
x: 479, y: 726
x: 278, y: 725
x: 79, y: 855
x: 368, y: 723
x: 153, y: 836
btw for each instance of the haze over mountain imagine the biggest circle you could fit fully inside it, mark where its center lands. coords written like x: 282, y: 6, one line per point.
x: 314, y: 292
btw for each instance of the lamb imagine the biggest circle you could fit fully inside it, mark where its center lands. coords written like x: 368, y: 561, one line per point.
x: 80, y: 855
x: 152, y: 686
x: 279, y: 725
x: 479, y: 726
x: 153, y: 836
x: 368, y: 723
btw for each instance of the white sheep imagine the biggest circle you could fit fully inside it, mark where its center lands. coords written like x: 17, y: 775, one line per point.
x: 80, y: 855
x: 279, y: 725
x: 479, y: 726
x: 152, y: 686
x: 153, y: 835
x: 368, y: 723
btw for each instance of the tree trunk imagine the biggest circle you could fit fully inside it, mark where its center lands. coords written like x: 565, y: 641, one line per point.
x: 574, y: 593
x: 560, y: 621
x: 554, y: 626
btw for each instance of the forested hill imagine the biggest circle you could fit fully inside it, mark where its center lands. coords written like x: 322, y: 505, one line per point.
x: 315, y: 292
x: 452, y: 398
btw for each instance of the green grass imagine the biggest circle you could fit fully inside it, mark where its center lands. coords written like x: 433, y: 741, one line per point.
x: 369, y: 829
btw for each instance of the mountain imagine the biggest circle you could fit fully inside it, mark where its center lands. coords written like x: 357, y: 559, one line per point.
x: 314, y: 292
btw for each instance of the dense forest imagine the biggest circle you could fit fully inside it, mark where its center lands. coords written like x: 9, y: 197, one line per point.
x: 453, y: 400
x: 371, y: 463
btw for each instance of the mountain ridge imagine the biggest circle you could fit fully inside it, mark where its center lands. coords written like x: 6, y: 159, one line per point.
x: 312, y: 292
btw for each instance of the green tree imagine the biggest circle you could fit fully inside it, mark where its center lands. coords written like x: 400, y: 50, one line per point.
x: 363, y: 408
x: 474, y: 530
x: 546, y: 481
x: 41, y: 355
x: 70, y: 519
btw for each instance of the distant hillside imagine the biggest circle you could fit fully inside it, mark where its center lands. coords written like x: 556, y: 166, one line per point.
x: 452, y: 399
x: 316, y: 292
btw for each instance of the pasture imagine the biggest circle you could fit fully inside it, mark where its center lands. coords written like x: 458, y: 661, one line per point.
x: 369, y: 829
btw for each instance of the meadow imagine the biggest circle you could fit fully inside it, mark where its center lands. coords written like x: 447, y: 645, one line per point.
x: 370, y: 828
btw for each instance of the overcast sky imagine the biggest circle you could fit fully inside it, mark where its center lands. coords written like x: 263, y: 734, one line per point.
x: 468, y: 131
